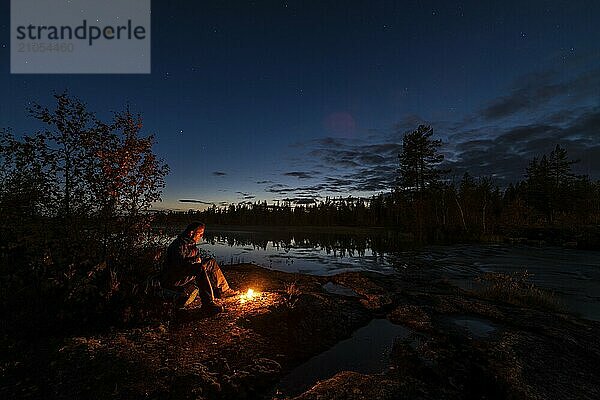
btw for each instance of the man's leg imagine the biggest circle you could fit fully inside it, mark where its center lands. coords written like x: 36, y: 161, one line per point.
x: 215, y: 275
x: 187, y: 288
x: 206, y: 291
x: 190, y: 277
x: 207, y: 295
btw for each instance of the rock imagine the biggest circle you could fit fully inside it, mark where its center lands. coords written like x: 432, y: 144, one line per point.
x: 533, y: 354
x: 412, y: 316
x: 354, y: 386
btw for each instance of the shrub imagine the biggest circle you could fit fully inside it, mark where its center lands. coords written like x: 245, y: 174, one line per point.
x: 515, y: 288
x: 74, y: 223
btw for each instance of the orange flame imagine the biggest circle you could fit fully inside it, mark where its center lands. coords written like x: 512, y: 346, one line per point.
x: 248, y: 296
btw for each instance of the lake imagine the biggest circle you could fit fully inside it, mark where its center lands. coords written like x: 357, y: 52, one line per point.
x: 574, y: 275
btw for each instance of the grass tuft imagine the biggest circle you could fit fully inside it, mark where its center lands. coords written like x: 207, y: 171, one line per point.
x: 516, y: 288
x: 291, y: 295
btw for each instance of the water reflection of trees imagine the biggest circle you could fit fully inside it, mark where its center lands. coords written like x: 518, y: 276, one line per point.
x: 336, y: 244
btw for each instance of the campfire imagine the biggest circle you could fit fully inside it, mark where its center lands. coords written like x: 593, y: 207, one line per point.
x: 256, y: 300
x: 248, y: 296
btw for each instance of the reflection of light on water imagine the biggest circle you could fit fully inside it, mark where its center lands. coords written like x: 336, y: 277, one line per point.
x: 572, y: 274
x: 315, y: 260
x: 478, y: 327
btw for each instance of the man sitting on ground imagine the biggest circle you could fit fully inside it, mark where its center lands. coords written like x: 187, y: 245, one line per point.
x: 186, y: 271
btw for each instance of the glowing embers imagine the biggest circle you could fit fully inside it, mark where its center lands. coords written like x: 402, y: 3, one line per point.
x: 249, y: 296
x: 255, y: 300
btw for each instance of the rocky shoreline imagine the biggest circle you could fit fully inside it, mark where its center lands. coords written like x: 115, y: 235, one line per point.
x: 462, y: 346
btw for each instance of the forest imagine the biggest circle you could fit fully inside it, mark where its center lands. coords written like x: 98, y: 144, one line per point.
x: 426, y: 202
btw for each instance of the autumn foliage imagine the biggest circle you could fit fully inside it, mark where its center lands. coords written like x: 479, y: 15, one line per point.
x: 74, y: 197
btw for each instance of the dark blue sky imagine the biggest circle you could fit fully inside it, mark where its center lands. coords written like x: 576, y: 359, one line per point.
x: 300, y: 99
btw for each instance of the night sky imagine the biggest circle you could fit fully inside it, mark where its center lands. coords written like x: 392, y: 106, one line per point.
x: 268, y: 100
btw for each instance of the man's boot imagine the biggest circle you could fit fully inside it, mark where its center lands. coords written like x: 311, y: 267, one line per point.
x: 208, y: 304
x: 212, y: 308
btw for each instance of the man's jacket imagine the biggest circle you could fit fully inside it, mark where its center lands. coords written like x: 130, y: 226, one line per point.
x: 182, y: 262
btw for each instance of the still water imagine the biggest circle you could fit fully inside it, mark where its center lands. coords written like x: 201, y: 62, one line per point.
x: 367, y: 351
x: 574, y: 275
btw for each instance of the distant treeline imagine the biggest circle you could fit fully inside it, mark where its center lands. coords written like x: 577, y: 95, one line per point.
x: 432, y: 207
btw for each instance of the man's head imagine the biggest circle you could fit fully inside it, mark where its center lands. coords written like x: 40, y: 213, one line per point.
x: 194, y: 231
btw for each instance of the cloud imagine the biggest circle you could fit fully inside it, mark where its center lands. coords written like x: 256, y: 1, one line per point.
x: 195, y: 201
x: 502, y: 151
x: 219, y: 173
x: 346, y: 167
x: 246, y: 196
x: 506, y: 155
x: 541, y: 110
x: 499, y: 139
x: 534, y: 91
x: 301, y: 174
